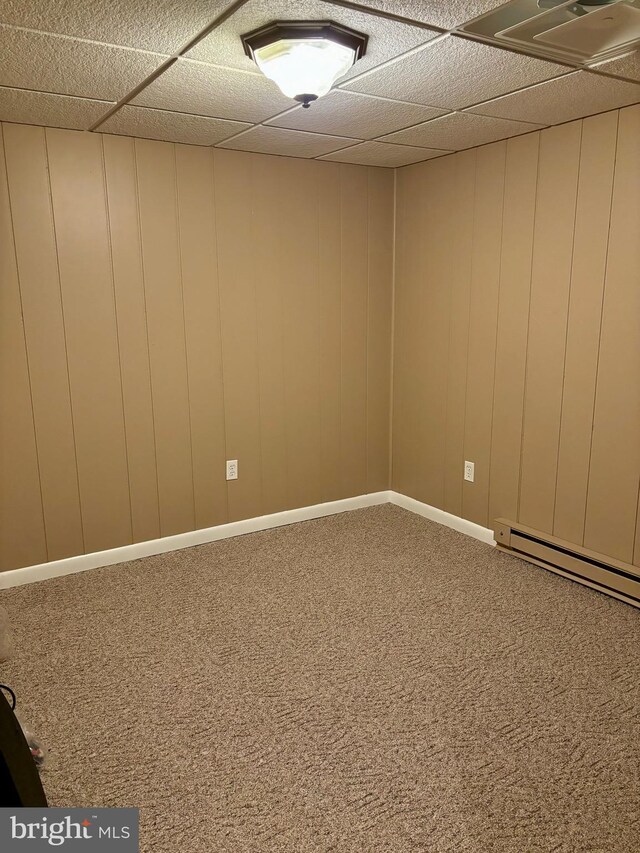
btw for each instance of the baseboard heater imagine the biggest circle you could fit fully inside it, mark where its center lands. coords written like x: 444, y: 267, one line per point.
x: 613, y: 577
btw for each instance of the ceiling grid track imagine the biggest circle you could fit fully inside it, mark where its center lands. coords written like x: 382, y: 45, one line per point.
x: 427, y: 87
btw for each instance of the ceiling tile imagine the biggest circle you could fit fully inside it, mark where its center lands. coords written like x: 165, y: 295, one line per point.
x: 351, y: 114
x: 386, y: 39
x: 383, y: 154
x: 24, y: 107
x: 454, y: 73
x: 624, y: 66
x: 291, y: 143
x: 574, y: 96
x: 199, y: 89
x: 68, y: 67
x: 173, y: 127
x: 447, y: 15
x: 460, y: 130
x: 163, y: 26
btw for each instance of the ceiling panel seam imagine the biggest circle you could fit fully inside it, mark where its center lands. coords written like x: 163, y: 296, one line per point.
x: 66, y: 37
x: 220, y: 19
x: 389, y: 16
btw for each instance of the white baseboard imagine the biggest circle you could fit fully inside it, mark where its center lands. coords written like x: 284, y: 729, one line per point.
x: 442, y: 517
x: 84, y: 562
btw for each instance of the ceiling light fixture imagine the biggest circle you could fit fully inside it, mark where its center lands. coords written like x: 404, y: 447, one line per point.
x: 304, y: 58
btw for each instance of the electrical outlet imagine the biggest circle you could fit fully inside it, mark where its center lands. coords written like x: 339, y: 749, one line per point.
x: 469, y: 471
x: 232, y: 469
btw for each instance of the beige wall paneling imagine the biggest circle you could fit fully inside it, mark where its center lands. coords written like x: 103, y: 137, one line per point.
x: 236, y: 281
x: 329, y: 318
x: 431, y: 378
x: 80, y: 216
x: 128, y: 281
x: 524, y: 242
x: 423, y: 343
x: 269, y: 251
x: 380, y: 263
x: 207, y: 300
x: 22, y: 537
x: 27, y: 169
x: 636, y: 552
x: 298, y: 207
x: 353, y: 445
x: 550, y: 280
x: 460, y: 243
x: 521, y: 170
x: 198, y: 258
x: 483, y: 324
x: 593, y: 210
x: 409, y: 349
x: 165, y: 322
x: 615, y: 452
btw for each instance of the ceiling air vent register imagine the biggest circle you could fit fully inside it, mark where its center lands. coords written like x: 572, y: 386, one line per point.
x: 581, y: 32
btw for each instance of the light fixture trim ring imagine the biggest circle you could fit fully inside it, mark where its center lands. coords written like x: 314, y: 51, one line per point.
x: 289, y: 30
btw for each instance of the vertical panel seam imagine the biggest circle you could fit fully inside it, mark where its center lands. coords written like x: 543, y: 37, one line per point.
x: 146, y: 324
x: 257, y: 352
x: 283, y: 350
x: 602, y: 304
x: 176, y: 197
x: 635, y: 532
x: 526, y: 346
x: 366, y: 334
x: 498, y: 315
x: 452, y: 290
x: 222, y: 371
x: 392, y: 354
x: 316, y: 175
x: 448, y: 306
x: 470, y: 274
x: 566, y: 327
x: 421, y: 268
x: 115, y: 314
x: 495, y: 342
x: 455, y: 161
x: 340, y: 217
x: 286, y: 394
x: 24, y: 338
x: 319, y: 327
x: 463, y: 274
x: 64, y: 331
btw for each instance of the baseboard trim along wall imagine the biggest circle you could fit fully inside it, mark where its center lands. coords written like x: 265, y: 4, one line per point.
x: 469, y: 528
x: 84, y: 562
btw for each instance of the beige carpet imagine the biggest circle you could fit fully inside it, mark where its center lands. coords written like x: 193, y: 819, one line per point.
x: 368, y: 682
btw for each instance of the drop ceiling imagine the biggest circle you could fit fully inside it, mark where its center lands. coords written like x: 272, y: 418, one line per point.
x: 176, y: 71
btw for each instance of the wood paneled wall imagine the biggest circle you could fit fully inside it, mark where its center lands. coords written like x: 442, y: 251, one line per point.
x: 165, y: 308
x: 517, y: 338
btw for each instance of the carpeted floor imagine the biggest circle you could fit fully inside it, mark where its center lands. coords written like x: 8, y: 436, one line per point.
x: 367, y: 682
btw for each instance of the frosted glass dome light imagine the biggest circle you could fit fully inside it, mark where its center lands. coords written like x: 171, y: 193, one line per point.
x: 301, y: 66
x: 304, y: 58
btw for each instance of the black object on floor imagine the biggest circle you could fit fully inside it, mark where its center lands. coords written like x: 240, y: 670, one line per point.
x: 20, y: 783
